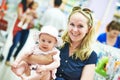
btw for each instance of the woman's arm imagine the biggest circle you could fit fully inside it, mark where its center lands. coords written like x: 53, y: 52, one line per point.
x: 20, y: 11
x: 54, y: 65
x: 88, y: 72
x: 40, y: 59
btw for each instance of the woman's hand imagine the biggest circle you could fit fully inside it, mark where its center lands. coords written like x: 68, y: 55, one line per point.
x: 42, y: 59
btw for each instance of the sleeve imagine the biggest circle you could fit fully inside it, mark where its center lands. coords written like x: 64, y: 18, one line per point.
x: 20, y: 10
x: 20, y: 5
x: 99, y: 38
x: 119, y: 42
x: 93, y: 58
x: 102, y: 37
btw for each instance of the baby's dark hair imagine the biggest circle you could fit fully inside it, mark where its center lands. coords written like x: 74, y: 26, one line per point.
x: 31, y: 4
x: 24, y: 2
x: 113, y: 25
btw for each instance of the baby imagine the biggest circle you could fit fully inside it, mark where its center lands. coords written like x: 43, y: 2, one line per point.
x: 28, y: 16
x: 47, y: 42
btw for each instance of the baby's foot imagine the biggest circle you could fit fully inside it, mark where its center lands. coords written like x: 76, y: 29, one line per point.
x: 18, y: 71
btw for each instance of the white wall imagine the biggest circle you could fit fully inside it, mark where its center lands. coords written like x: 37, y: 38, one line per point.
x: 103, y: 11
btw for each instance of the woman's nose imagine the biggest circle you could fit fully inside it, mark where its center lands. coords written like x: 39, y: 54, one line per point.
x: 75, y: 29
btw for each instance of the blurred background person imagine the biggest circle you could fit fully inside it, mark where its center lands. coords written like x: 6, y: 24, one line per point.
x: 29, y: 15
x: 19, y: 35
x: 54, y: 16
x: 112, y: 35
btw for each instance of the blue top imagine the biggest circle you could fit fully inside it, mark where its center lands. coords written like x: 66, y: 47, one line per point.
x: 71, y: 69
x: 103, y: 38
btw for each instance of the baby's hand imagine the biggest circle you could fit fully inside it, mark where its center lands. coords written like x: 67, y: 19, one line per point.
x: 14, y: 64
x: 41, y: 68
x: 14, y: 68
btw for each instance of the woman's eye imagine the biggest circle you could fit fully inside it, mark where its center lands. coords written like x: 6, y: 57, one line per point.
x: 71, y: 24
x: 80, y: 26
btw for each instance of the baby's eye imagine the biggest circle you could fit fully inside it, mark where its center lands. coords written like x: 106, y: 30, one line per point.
x: 43, y: 40
x: 49, y: 41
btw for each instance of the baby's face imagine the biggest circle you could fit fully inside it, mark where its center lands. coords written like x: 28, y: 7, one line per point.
x: 46, y: 42
x: 35, y: 6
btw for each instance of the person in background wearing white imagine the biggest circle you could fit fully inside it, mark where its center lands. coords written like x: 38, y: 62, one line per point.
x: 54, y: 16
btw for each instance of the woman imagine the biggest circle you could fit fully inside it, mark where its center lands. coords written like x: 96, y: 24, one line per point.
x: 112, y: 35
x: 19, y: 35
x: 77, y: 57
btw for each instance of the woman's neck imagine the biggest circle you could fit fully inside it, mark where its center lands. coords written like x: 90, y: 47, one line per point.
x: 73, y: 47
x: 75, y: 44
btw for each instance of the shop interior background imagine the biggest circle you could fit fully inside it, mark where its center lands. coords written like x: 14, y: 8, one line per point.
x: 103, y: 10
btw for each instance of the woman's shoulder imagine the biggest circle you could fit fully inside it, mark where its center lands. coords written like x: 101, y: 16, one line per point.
x: 118, y: 40
x: 20, y: 5
x: 102, y: 34
x: 92, y: 58
x: 64, y: 46
x: 119, y: 37
x: 93, y: 53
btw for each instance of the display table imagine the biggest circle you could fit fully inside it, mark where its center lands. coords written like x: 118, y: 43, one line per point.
x: 112, y: 66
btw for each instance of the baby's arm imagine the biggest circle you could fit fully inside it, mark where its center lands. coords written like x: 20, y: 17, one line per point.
x: 55, y: 64
x: 28, y: 11
x: 35, y: 15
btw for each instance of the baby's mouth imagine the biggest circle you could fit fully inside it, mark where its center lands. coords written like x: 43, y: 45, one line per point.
x: 45, y: 47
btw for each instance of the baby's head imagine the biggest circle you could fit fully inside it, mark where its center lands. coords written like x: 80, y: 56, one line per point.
x: 48, y: 38
x: 34, y: 5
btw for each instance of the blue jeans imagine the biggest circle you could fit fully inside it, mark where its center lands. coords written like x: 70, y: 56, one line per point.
x: 21, y: 38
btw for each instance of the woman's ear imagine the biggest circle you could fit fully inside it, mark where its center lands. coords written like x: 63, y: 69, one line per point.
x: 89, y: 28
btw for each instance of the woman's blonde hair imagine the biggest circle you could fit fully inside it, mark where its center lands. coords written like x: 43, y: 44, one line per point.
x: 84, y: 50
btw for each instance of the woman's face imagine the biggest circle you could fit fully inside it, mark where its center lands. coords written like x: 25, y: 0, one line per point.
x: 114, y: 33
x: 77, y: 27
